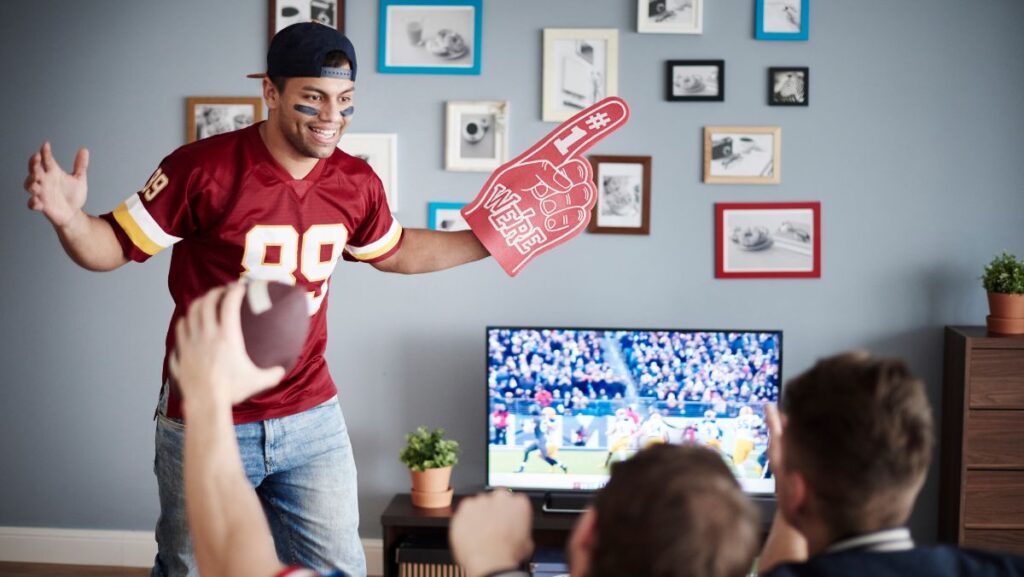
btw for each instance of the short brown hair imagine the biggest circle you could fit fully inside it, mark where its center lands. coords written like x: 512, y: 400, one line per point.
x: 674, y: 511
x: 860, y: 432
x: 333, y: 59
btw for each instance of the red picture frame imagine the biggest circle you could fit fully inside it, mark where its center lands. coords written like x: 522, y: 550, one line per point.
x: 768, y: 240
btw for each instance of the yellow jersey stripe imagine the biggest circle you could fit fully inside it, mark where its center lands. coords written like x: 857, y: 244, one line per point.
x: 380, y: 247
x: 134, y: 231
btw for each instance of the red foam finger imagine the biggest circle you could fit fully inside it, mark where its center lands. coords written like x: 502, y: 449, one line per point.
x: 567, y: 219
x: 579, y: 196
x: 575, y: 136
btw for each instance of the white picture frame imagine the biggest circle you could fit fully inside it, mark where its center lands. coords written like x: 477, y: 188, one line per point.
x: 380, y: 151
x: 670, y: 16
x: 476, y: 138
x: 581, y: 67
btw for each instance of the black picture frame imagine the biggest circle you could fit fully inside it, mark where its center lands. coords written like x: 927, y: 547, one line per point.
x: 282, y: 13
x: 694, y: 88
x: 800, y: 96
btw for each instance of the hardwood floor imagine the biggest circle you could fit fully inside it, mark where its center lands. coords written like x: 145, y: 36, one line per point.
x: 51, y: 570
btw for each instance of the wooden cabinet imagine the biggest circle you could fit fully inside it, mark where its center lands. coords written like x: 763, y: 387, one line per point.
x: 981, y: 495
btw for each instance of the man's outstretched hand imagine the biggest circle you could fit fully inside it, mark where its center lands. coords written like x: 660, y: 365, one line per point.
x: 544, y: 196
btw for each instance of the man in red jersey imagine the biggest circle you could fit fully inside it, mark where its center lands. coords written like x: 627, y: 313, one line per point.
x: 275, y: 201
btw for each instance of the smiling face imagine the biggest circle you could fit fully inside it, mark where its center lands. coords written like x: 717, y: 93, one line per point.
x: 307, y: 112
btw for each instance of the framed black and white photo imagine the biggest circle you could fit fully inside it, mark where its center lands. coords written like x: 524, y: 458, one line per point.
x: 284, y: 13
x: 623, y: 195
x: 446, y: 216
x: 789, y: 86
x: 670, y: 16
x: 430, y: 36
x: 380, y: 151
x: 768, y: 240
x: 477, y: 135
x: 782, y: 20
x: 212, y: 115
x: 581, y: 66
x: 742, y: 154
x: 695, y: 80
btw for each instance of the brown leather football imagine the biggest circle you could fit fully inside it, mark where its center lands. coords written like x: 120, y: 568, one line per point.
x: 275, y: 323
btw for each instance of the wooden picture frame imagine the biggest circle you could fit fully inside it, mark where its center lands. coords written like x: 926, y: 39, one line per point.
x: 207, y: 116
x: 742, y: 154
x: 623, y: 195
x: 380, y: 151
x: 782, y: 20
x: 695, y: 80
x: 768, y: 240
x: 789, y: 86
x: 670, y: 16
x: 430, y: 36
x: 283, y: 13
x: 476, y: 138
x: 581, y: 67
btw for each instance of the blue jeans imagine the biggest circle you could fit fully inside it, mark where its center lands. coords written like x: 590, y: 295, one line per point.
x: 302, y: 469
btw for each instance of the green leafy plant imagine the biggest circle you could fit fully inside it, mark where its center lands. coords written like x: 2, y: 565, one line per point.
x: 429, y: 450
x: 1005, y: 274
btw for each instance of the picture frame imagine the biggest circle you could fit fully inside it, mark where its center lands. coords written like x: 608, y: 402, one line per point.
x: 782, y: 20
x: 207, y: 116
x: 789, y: 86
x: 430, y: 36
x: 695, y: 80
x: 476, y: 138
x: 742, y: 154
x: 768, y: 240
x: 623, y: 195
x: 380, y: 151
x: 284, y: 13
x: 670, y: 16
x: 446, y: 216
x: 581, y: 66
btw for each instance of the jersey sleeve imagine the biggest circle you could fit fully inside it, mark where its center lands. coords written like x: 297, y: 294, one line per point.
x: 159, y: 215
x: 379, y: 235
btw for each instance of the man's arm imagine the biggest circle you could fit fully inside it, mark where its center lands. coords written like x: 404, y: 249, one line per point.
x: 229, y: 531
x: 432, y: 250
x: 88, y: 240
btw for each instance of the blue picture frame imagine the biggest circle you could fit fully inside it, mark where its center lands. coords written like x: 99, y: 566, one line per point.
x: 434, y: 216
x: 430, y: 37
x: 803, y: 20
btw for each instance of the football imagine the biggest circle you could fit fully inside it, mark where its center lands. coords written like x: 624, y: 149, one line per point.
x: 275, y: 322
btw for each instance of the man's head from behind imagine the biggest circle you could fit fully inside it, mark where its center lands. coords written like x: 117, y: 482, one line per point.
x: 858, y: 441
x: 670, y: 511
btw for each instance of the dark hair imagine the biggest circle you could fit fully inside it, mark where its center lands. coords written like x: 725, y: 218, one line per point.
x: 860, y: 432
x: 333, y: 59
x: 674, y: 511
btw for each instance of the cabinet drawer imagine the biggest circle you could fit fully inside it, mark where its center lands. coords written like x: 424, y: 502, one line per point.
x: 996, y: 376
x: 994, y: 438
x: 1007, y: 541
x: 994, y: 500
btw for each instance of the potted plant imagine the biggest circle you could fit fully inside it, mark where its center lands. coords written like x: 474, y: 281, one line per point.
x: 430, y: 457
x: 1004, y: 281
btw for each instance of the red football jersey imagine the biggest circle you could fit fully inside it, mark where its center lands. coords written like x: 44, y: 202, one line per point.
x: 230, y: 210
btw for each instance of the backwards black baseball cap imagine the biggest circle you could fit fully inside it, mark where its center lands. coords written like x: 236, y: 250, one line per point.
x: 298, y: 51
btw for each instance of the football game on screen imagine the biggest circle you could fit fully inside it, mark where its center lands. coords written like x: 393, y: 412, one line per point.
x: 565, y: 404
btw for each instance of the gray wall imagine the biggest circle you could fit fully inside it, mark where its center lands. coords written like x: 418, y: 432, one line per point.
x: 911, y: 143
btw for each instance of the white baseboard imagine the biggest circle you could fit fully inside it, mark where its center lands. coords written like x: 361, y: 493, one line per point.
x: 110, y: 548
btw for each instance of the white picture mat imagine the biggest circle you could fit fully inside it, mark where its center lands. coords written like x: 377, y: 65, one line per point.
x: 752, y: 155
x: 462, y: 155
x: 782, y: 16
x: 294, y: 11
x: 784, y: 255
x: 706, y: 75
x: 380, y: 151
x: 581, y: 66
x: 622, y: 207
x: 402, y: 46
x: 681, y: 17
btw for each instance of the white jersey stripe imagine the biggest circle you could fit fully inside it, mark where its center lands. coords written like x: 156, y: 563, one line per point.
x: 373, y: 247
x: 146, y: 222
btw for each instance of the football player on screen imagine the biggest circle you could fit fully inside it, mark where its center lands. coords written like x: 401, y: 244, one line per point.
x: 543, y: 425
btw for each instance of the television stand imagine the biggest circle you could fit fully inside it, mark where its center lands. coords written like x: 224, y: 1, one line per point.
x: 566, y: 502
x: 400, y: 520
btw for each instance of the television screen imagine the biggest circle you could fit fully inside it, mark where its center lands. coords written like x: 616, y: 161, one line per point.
x: 564, y: 404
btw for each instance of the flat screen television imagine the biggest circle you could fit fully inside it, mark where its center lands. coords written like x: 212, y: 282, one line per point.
x: 566, y: 403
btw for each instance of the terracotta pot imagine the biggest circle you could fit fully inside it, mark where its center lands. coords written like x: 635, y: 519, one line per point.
x: 431, y: 480
x: 432, y: 500
x: 1007, y: 313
